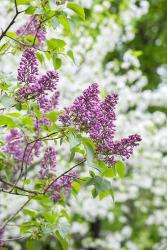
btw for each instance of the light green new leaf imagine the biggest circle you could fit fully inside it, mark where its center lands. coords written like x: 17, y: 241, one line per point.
x: 56, y: 62
x: 63, y: 20
x: 22, y: 2
x: 120, y: 168
x: 62, y: 241
x: 71, y: 55
x: 79, y: 10
x: 54, y: 44
x: 4, y: 120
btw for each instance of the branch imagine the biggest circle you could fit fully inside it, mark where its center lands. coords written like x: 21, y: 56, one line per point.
x: 15, y: 193
x: 46, y: 189
x: 15, y: 214
x: 24, y: 154
x: 17, y: 187
x: 12, y: 21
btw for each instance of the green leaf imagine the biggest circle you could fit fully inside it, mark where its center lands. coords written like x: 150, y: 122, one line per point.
x: 76, y: 186
x: 22, y: 2
x: 104, y: 194
x: 56, y: 62
x: 56, y: 44
x: 89, y: 146
x: 101, y: 184
x: 4, y: 120
x: 79, y: 10
x: 7, y: 101
x: 121, y: 168
x: 30, y: 10
x: 40, y: 57
x: 33, y: 245
x: 4, y: 47
x: 63, y: 20
x: 28, y: 121
x: 11, y: 34
x: 94, y: 193
x: 73, y: 140
x: 53, y: 115
x: 29, y: 212
x: 71, y: 55
x: 62, y: 241
x: 64, y: 228
x: 110, y: 172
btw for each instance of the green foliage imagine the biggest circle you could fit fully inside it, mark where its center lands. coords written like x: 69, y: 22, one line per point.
x: 77, y: 9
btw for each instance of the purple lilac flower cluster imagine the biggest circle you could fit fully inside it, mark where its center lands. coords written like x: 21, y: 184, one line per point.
x: 97, y: 118
x: 42, y: 89
x: 16, y: 147
x: 63, y: 185
x: 2, y: 231
x: 34, y: 28
x: 48, y: 163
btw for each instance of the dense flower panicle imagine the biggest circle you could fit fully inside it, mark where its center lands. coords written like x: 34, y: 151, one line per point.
x: 48, y: 81
x: 125, y: 146
x: 16, y: 147
x: 97, y: 118
x: 48, y: 103
x: 34, y: 28
x: 48, y: 163
x: 63, y: 184
x: 13, y: 144
x: 84, y: 110
x: 43, y: 88
x: 28, y: 69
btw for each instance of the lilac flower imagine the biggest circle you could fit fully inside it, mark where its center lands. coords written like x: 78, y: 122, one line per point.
x: 42, y: 89
x: 63, y: 184
x: 49, y: 81
x: 46, y: 104
x: 97, y: 118
x: 44, y: 121
x: 28, y: 69
x: 2, y: 231
x: 56, y: 197
x: 48, y: 163
x: 34, y: 28
x: 16, y: 147
x: 13, y: 144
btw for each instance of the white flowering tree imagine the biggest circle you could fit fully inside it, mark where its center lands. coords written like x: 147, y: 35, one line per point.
x: 138, y: 219
x: 38, y: 171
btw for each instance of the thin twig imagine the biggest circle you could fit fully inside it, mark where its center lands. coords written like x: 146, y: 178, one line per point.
x: 63, y: 174
x: 24, y: 154
x: 12, y: 21
x: 15, y: 214
x: 17, y: 187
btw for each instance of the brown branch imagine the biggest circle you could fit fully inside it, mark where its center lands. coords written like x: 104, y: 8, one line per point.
x: 24, y: 154
x: 17, y: 187
x: 63, y: 174
x: 13, y: 193
x: 12, y: 21
x: 15, y: 214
